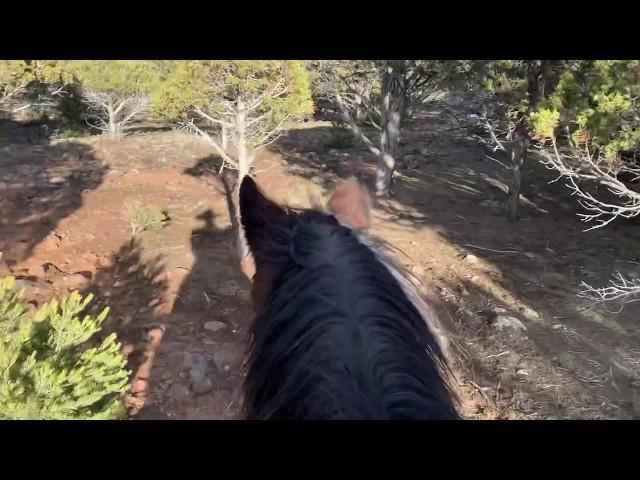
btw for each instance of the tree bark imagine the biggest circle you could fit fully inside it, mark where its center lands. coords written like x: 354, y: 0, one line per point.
x: 113, y: 124
x: 393, y: 85
x: 224, y: 137
x: 518, y: 155
x: 244, y: 165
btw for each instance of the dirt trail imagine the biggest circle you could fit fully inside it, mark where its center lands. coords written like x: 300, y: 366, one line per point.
x: 525, y: 347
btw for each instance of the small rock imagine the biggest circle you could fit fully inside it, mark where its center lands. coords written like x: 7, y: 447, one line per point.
x: 317, y: 180
x: 470, y: 258
x: 556, y: 326
x: 417, y: 270
x: 214, y: 326
x: 530, y: 255
x: 334, y: 152
x: 199, y: 374
x: 75, y: 281
x: 313, y: 156
x: 529, y: 313
x: 57, y: 180
x: 424, y: 151
x: 199, y: 367
x: 507, y: 321
x: 522, y: 371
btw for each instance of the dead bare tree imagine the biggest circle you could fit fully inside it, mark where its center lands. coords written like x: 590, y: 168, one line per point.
x: 620, y: 289
x: 111, y: 112
x: 584, y: 165
x: 379, y: 94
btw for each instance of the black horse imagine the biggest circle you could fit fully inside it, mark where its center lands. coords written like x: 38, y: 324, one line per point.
x: 340, y: 332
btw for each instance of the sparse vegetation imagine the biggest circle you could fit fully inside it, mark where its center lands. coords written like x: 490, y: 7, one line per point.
x: 539, y: 140
x: 145, y: 217
x: 51, y: 366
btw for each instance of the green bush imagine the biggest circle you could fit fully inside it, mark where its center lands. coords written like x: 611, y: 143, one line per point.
x: 146, y: 217
x: 51, y: 368
x: 72, y: 113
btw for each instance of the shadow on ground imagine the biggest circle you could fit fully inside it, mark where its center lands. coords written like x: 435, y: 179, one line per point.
x: 569, y: 363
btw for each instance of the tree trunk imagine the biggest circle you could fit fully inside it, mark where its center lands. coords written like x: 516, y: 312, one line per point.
x: 392, y: 108
x: 113, y: 126
x: 224, y: 137
x: 244, y: 165
x: 518, y: 154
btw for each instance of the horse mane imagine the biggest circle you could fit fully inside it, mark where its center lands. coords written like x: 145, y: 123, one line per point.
x: 343, y: 333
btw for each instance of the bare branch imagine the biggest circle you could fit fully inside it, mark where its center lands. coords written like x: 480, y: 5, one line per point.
x: 619, y: 289
x: 355, y: 128
x: 581, y: 166
x: 211, y: 119
x: 489, y: 157
x: 492, y: 132
x: 191, y: 126
x: 135, y: 109
x: 266, y: 139
x: 278, y: 90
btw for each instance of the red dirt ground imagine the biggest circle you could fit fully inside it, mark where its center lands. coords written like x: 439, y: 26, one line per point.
x: 181, y: 305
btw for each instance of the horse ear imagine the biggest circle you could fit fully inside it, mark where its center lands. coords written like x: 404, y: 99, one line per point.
x: 257, y: 211
x: 351, y: 204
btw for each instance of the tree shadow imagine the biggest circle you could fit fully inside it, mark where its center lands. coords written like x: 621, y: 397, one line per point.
x: 40, y: 185
x: 537, y: 261
x: 208, y: 169
x: 209, y: 321
x: 516, y: 364
x: 134, y: 288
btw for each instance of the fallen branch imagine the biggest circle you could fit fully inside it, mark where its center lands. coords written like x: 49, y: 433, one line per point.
x: 488, y: 249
